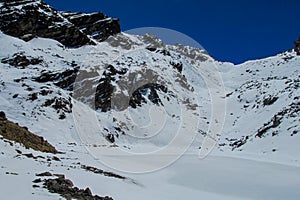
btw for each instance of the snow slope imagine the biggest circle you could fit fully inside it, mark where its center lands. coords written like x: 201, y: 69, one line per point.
x: 257, y: 152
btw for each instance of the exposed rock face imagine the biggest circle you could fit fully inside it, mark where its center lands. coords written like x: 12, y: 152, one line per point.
x: 97, y: 25
x: 105, y: 92
x: 105, y: 88
x: 12, y: 131
x: 138, y: 96
x: 297, y: 46
x: 27, y: 19
x: 20, y: 60
x: 63, y: 80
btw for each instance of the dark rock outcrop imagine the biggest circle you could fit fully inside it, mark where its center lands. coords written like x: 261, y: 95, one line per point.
x: 105, y: 88
x: 61, y: 105
x: 100, y: 171
x: 20, y: 60
x: 177, y: 66
x: 97, y: 25
x: 65, y: 188
x: 27, y: 19
x: 297, y: 46
x: 292, y: 110
x: 138, y: 97
x: 105, y: 91
x: 13, y: 132
x: 64, y: 80
x: 269, y: 100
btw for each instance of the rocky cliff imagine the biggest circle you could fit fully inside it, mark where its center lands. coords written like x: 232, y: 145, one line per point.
x: 27, y: 19
x: 297, y: 46
x: 97, y: 25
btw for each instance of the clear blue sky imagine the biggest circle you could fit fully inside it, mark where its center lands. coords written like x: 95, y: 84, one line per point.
x: 230, y: 30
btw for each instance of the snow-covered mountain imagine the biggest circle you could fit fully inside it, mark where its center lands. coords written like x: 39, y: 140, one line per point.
x: 27, y: 19
x: 132, y: 96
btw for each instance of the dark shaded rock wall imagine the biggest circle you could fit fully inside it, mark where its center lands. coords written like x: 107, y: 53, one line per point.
x: 297, y: 46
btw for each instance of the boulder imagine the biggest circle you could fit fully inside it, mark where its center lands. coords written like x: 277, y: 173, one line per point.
x: 2, y: 116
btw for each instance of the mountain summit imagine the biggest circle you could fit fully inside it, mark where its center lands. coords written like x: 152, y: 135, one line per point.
x: 27, y: 19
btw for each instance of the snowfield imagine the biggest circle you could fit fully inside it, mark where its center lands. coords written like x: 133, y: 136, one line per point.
x: 212, y: 178
x: 256, y: 155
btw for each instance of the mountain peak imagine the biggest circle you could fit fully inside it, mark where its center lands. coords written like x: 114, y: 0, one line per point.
x: 27, y: 19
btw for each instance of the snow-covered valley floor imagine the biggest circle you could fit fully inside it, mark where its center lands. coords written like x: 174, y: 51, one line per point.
x: 215, y: 177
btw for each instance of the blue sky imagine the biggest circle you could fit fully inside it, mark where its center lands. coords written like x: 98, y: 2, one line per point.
x: 232, y: 30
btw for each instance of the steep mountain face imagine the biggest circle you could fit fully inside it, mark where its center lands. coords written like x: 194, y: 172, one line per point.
x: 96, y: 25
x: 27, y: 19
x: 124, y: 80
x: 263, y: 106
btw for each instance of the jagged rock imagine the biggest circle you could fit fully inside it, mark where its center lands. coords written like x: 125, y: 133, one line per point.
x: 105, y: 88
x: 64, y: 80
x: 27, y: 19
x: 65, y: 188
x: 153, y: 42
x: 103, y: 95
x: 297, y: 46
x: 269, y: 101
x: 12, y: 131
x: 238, y: 143
x: 33, y: 96
x: 138, y: 98
x: 111, y: 138
x: 100, y: 171
x: 177, y: 66
x: 105, y: 92
x: 275, y: 121
x: 99, y: 26
x: 19, y: 60
x: 292, y: 111
x: 164, y: 52
x: 61, y: 105
x: 2, y: 116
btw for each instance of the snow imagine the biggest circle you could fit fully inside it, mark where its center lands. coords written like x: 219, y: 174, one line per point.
x: 212, y: 178
x: 251, y: 171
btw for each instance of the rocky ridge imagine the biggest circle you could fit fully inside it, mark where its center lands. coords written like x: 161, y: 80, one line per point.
x: 96, y: 25
x: 27, y: 19
x: 13, y: 132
